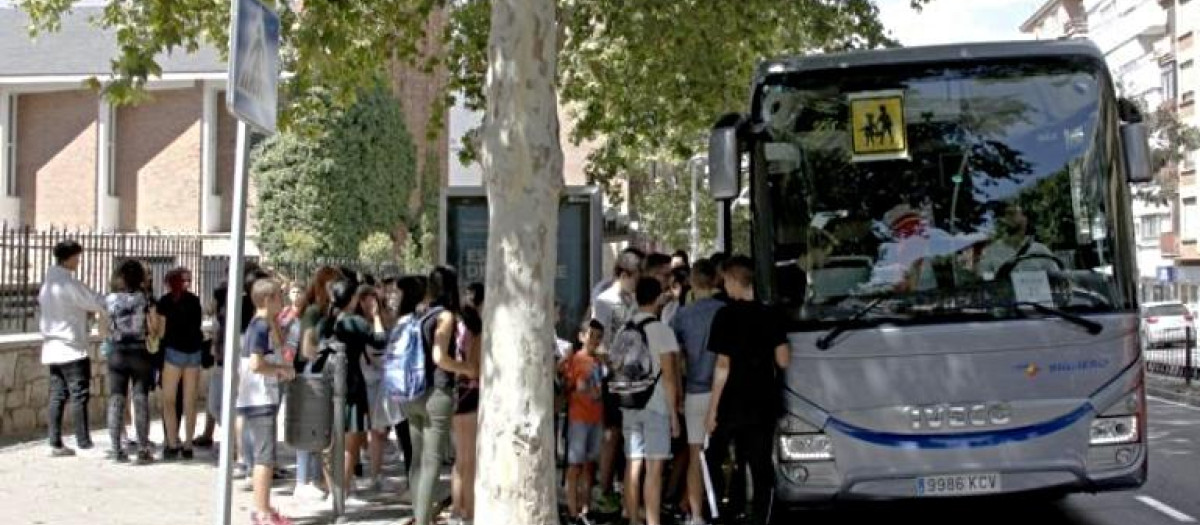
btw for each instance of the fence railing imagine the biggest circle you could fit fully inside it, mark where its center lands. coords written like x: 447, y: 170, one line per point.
x: 26, y: 253
x: 1180, y: 360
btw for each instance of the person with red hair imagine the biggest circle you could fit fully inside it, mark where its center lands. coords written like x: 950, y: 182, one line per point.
x: 182, y: 342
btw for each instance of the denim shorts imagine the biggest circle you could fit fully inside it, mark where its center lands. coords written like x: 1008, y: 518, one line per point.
x: 180, y: 359
x: 647, y: 435
x: 583, y: 443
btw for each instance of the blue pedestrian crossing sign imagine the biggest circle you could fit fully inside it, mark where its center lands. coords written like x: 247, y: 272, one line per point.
x: 252, y: 94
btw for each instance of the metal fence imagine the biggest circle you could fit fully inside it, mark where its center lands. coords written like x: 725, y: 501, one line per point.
x: 1180, y: 360
x: 26, y: 253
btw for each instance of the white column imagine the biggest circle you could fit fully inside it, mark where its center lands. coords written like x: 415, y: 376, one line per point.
x: 108, y: 206
x: 10, y: 204
x: 210, y: 202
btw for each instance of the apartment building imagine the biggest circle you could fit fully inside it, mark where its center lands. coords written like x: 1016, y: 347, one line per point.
x: 1147, y: 44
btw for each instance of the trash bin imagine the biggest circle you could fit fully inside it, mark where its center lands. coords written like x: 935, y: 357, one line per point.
x: 309, y: 413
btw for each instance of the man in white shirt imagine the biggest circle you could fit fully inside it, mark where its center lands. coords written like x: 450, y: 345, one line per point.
x: 1014, y: 249
x: 65, y: 305
x: 613, y: 308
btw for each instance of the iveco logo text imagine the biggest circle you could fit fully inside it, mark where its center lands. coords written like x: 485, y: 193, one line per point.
x: 946, y: 416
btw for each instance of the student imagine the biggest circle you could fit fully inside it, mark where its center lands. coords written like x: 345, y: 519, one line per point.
x: 466, y: 412
x: 692, y: 326
x: 429, y: 417
x: 182, y: 345
x: 752, y: 351
x: 613, y: 308
x: 648, y: 431
x: 258, y: 393
x: 357, y: 333
x: 129, y: 362
x: 65, y: 304
x: 582, y: 375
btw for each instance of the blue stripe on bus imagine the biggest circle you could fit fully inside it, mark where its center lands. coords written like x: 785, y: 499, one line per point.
x: 962, y: 440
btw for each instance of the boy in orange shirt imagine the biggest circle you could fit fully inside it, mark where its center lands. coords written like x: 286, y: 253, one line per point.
x: 582, y: 375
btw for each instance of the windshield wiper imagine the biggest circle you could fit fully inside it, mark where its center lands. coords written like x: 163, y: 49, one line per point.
x: 826, y: 340
x: 1091, y: 326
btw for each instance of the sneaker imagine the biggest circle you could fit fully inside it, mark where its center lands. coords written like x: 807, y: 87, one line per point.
x: 61, y: 452
x: 118, y: 456
x: 144, y: 457
x: 202, y: 442
x: 269, y: 518
x: 308, y: 492
x: 608, y: 504
x: 170, y: 453
x: 353, y: 501
x: 241, y: 471
x: 187, y: 454
x: 86, y: 445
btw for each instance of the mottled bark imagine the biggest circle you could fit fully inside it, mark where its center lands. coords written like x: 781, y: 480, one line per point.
x: 522, y: 167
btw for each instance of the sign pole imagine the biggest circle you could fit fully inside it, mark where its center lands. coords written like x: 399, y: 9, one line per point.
x: 233, y: 324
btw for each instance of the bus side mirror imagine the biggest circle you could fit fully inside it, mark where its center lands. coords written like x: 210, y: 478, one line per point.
x: 1135, y: 142
x: 724, y: 158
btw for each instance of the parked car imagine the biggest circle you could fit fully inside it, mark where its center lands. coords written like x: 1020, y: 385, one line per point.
x: 1166, y: 324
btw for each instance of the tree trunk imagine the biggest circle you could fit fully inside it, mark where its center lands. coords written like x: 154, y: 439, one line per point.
x: 522, y: 170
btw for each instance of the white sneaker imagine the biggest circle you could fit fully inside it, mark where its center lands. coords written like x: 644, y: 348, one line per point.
x: 356, y: 502
x: 308, y: 492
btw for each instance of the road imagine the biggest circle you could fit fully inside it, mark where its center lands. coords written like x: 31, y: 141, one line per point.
x: 1171, y: 497
x: 88, y: 490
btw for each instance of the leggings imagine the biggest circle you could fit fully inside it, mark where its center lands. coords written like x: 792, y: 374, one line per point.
x: 128, y: 368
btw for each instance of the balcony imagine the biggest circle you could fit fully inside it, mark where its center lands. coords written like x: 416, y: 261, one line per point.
x: 1168, y: 244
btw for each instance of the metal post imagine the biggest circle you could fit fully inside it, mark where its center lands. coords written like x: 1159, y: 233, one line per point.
x: 233, y: 325
x: 694, y: 166
x: 1188, y: 347
x: 337, y: 362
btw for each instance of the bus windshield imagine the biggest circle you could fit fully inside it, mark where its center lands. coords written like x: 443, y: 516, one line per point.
x: 934, y: 193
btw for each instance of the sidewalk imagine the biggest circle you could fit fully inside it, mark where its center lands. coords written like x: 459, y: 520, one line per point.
x: 89, y: 490
x: 1173, y: 389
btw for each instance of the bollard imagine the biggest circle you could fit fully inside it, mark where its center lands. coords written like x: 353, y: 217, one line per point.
x: 337, y: 363
x: 1189, y: 347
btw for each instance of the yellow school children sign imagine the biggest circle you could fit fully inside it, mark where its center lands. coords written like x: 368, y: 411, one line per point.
x: 877, y: 125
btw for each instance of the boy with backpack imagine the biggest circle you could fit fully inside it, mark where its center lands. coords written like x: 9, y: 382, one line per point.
x: 263, y: 367
x: 644, y: 376
x: 582, y: 375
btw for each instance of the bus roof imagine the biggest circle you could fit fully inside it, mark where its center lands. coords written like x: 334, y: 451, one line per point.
x: 939, y: 53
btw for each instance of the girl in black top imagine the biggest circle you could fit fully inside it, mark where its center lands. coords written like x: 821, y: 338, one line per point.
x: 181, y: 346
x: 429, y: 417
x: 344, y: 325
x: 466, y: 411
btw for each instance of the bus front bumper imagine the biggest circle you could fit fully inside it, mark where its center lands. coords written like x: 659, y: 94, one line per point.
x: 1107, y: 468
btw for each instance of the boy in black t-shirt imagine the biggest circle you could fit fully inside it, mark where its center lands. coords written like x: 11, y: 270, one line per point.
x: 752, y: 352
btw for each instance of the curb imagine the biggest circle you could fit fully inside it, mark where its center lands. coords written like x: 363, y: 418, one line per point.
x: 1173, y: 389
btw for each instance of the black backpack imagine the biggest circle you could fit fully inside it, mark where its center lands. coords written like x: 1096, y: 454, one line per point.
x: 631, y: 363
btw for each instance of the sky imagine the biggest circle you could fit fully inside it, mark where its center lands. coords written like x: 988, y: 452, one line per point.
x: 949, y: 21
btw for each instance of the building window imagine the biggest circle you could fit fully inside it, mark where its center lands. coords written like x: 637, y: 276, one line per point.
x: 1191, y: 218
x: 1149, y: 227
x: 1169, y: 80
x: 10, y: 148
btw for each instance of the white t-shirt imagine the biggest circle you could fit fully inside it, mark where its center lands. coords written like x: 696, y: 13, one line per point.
x: 613, y: 309
x: 662, y: 342
x: 998, y: 253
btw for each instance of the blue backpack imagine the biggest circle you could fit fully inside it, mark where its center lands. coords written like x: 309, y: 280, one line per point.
x: 405, y: 364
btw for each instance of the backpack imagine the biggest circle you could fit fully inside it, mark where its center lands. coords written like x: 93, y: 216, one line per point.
x: 406, y: 363
x: 632, y: 371
x: 127, y: 314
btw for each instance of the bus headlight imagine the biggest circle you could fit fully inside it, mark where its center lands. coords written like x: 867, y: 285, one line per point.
x: 1129, y: 405
x: 805, y: 447
x: 1114, y: 430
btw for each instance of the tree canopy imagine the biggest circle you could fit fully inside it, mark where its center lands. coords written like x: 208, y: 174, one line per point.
x: 644, y: 79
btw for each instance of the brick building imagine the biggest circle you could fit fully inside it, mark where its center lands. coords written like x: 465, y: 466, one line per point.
x: 70, y: 159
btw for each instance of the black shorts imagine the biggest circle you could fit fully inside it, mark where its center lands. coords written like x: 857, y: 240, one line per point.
x: 357, y: 419
x: 612, y: 412
x: 468, y: 401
